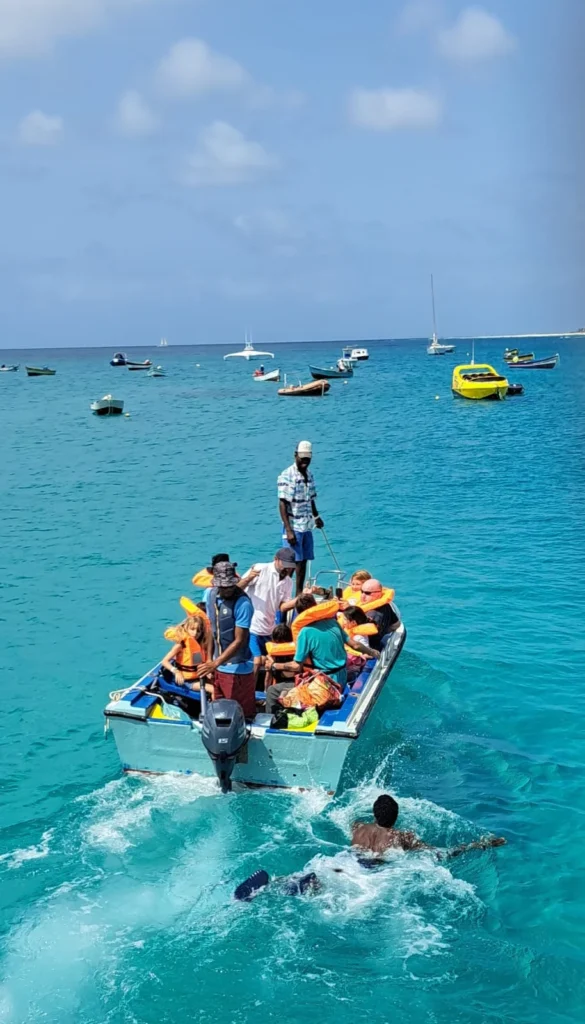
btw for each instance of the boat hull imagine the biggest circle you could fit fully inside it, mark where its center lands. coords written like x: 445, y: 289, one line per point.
x: 317, y: 373
x: 35, y: 371
x: 154, y: 736
x: 536, y: 364
x: 108, y: 407
x: 265, y: 378
x: 315, y: 389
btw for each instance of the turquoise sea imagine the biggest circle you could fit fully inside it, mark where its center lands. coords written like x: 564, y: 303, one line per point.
x: 115, y: 896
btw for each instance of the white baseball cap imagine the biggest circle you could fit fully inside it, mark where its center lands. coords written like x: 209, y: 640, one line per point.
x: 305, y: 448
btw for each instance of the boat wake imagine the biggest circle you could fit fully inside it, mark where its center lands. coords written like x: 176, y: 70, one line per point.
x: 149, y: 869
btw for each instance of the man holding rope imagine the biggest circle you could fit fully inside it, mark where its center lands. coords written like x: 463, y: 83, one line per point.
x: 296, y: 501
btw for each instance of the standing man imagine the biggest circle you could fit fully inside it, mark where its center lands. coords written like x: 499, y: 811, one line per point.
x: 296, y: 500
x: 230, y: 614
x: 269, y: 586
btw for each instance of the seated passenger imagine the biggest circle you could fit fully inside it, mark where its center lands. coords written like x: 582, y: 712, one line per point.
x: 355, y: 616
x: 352, y: 593
x: 190, y: 650
x: 279, y: 678
x: 385, y: 618
x: 321, y: 644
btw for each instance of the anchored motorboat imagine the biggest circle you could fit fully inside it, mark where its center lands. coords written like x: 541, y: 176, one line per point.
x: 548, y: 363
x: 479, y: 381
x: 108, y: 406
x: 121, y: 359
x: 274, y: 375
x: 40, y: 371
x: 162, y: 727
x: 343, y: 369
x: 9, y: 369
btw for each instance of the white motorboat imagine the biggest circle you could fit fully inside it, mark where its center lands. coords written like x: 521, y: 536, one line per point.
x: 9, y: 369
x: 274, y: 375
x: 436, y: 348
x: 107, y: 406
x: 249, y: 352
x: 359, y: 354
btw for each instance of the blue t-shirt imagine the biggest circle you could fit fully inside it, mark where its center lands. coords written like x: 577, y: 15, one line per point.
x: 243, y: 612
x: 324, y: 641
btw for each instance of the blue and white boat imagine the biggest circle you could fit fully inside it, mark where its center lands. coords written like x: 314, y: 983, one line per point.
x: 157, y: 729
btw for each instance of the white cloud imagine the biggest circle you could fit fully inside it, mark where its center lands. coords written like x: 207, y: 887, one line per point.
x: 38, y: 129
x: 29, y: 27
x: 225, y: 157
x: 134, y: 117
x: 192, y: 68
x: 476, y: 35
x: 387, y: 110
x: 419, y: 15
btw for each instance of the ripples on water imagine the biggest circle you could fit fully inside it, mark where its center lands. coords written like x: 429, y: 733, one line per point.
x: 116, y: 898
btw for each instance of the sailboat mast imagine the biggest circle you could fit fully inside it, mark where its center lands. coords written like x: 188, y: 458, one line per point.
x: 434, y: 314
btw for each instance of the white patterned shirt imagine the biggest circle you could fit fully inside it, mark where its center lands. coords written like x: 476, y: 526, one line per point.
x: 299, y: 493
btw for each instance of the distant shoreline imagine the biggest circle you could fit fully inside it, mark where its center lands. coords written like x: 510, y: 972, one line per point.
x: 327, y: 341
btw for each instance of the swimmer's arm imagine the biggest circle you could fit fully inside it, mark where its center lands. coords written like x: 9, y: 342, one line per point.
x: 485, y: 843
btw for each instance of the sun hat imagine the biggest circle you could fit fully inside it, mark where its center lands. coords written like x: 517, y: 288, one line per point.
x: 287, y: 557
x: 224, y: 575
x: 222, y: 557
x: 305, y: 448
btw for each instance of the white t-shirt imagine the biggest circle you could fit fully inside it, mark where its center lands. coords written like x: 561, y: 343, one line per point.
x: 267, y: 592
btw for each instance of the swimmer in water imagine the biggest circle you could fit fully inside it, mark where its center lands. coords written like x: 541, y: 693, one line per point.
x: 375, y: 837
x: 380, y: 835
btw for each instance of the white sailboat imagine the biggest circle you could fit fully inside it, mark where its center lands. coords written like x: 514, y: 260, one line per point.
x: 435, y: 348
x: 163, y: 343
x: 249, y: 352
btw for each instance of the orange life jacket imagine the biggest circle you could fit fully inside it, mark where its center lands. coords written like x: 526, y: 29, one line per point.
x: 190, y: 657
x: 324, y: 610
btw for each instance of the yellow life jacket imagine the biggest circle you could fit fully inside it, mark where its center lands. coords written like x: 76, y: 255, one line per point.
x: 202, y: 579
x: 386, y: 597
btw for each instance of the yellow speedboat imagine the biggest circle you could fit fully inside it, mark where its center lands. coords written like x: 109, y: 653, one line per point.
x: 479, y: 381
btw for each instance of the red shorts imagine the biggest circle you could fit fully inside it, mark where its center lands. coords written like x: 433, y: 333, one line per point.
x: 240, y: 687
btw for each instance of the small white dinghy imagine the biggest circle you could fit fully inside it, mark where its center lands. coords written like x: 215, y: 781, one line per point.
x: 107, y: 406
x: 274, y: 375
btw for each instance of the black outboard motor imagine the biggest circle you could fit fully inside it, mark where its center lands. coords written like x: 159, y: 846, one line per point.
x: 224, y: 733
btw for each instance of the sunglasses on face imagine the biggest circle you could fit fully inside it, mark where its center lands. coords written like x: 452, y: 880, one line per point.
x: 370, y: 593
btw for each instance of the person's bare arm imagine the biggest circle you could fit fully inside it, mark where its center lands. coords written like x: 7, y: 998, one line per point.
x: 167, y: 663
x: 362, y: 648
x: 287, y: 666
x: 318, y: 521
x: 485, y: 843
x: 284, y: 509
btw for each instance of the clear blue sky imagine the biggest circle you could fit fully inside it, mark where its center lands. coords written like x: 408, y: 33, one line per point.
x: 297, y: 168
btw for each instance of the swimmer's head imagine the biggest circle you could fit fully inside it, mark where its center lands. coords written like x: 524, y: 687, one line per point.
x: 386, y: 811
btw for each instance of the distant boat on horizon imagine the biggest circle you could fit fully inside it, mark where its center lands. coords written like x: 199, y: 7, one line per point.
x: 436, y: 348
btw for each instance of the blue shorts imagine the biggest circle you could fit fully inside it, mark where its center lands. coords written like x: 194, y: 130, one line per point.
x: 258, y: 644
x: 303, y: 546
